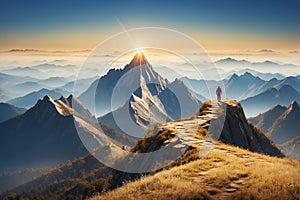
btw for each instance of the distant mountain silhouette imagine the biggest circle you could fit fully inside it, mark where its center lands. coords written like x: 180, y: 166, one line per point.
x: 292, y: 81
x: 25, y: 71
x: 52, y: 67
x: 3, y: 97
x: 81, y: 84
x: 10, y: 80
x: 265, y: 120
x: 7, y: 82
x: 40, y: 71
x: 291, y: 148
x: 287, y: 126
x: 264, y: 101
x: 30, y: 99
x: 27, y: 87
x: 54, y: 82
x: 240, y: 87
x: 8, y: 111
x: 231, y: 62
x: 200, y: 86
x: 263, y: 75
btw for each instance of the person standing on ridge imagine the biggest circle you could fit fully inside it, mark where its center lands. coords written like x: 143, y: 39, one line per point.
x: 219, y: 93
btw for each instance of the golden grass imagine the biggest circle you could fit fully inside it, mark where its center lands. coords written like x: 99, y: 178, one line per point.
x: 144, y: 143
x: 204, y: 107
x: 258, y: 177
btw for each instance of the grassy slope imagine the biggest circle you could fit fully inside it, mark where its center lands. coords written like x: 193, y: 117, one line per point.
x: 226, y: 172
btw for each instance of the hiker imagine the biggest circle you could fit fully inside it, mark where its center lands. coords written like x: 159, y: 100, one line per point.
x: 219, y: 93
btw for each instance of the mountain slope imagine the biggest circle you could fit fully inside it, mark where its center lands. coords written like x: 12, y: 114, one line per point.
x: 122, y: 82
x: 265, y: 120
x: 210, y: 169
x: 22, y: 89
x: 230, y: 126
x: 178, y: 100
x: 281, y: 125
x: 40, y: 137
x: 292, y: 81
x: 200, y: 86
x: 287, y: 126
x: 241, y: 87
x: 52, y: 132
x: 143, y: 98
x: 264, y: 101
x: 291, y: 148
x: 144, y: 110
x: 225, y: 173
x: 8, y: 111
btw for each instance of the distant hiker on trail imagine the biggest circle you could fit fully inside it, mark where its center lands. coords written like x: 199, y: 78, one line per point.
x: 219, y: 93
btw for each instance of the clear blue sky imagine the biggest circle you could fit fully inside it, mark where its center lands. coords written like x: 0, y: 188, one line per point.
x: 84, y: 23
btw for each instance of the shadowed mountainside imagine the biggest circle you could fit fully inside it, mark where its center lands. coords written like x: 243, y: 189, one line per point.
x: 281, y: 125
x: 8, y: 111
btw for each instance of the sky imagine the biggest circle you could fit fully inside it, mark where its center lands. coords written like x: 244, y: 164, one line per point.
x: 217, y: 25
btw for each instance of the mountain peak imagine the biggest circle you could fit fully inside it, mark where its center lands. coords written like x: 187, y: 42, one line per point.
x: 138, y: 59
x: 47, y: 98
x: 277, y: 107
x: 247, y: 75
x: 286, y: 88
x: 228, y: 59
x: 294, y: 106
x: 234, y: 76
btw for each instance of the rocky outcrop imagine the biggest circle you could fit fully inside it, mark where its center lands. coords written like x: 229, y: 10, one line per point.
x: 236, y: 130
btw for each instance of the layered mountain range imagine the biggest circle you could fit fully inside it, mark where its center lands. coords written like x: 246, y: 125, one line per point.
x: 281, y: 124
x: 135, y: 102
x: 8, y: 111
x: 255, y: 94
x: 48, y: 134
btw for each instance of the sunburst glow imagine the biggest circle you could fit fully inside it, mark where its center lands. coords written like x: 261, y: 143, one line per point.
x: 139, y: 49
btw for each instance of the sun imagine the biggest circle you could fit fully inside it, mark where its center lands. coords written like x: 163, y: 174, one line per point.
x: 139, y: 50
